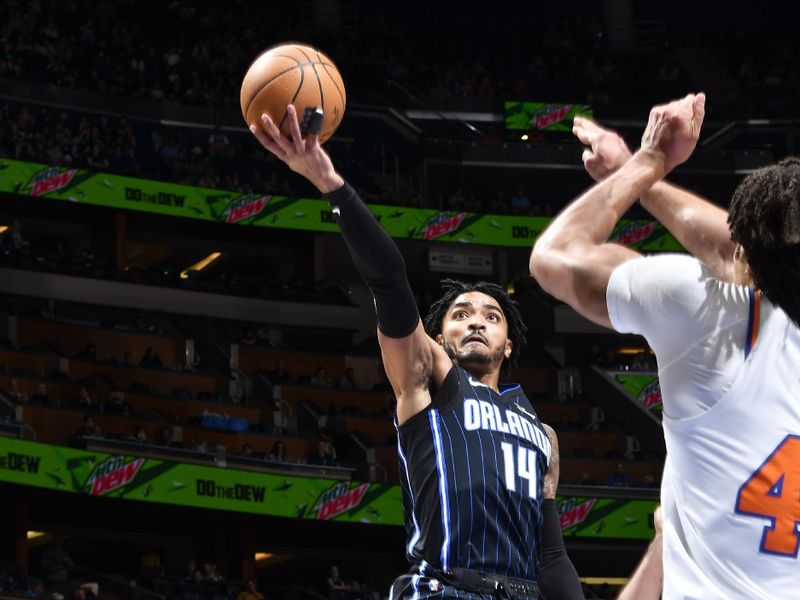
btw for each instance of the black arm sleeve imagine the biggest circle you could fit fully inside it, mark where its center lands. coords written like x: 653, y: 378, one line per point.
x: 558, y: 579
x: 378, y: 261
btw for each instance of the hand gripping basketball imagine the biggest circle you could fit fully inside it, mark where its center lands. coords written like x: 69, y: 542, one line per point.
x: 303, y: 156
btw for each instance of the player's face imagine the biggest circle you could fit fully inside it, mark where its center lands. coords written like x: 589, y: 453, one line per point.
x: 475, y: 331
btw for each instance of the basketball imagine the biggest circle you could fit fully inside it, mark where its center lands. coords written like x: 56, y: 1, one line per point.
x: 293, y: 74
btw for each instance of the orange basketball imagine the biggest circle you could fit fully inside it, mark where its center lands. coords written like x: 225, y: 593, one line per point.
x: 293, y: 74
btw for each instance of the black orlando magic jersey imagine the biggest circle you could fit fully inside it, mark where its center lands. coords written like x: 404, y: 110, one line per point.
x: 472, y: 469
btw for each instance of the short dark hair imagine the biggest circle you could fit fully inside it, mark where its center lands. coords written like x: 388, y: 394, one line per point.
x: 764, y: 217
x: 453, y: 288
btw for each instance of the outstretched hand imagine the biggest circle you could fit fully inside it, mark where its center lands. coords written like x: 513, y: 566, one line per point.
x: 673, y: 130
x: 303, y: 156
x: 606, y: 150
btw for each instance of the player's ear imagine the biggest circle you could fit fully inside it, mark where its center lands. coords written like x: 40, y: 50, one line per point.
x: 509, y: 347
x: 440, y: 339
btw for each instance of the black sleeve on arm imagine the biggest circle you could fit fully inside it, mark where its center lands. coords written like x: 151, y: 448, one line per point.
x: 558, y: 579
x: 378, y: 261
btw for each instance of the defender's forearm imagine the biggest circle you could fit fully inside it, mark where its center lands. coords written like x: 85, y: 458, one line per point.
x: 699, y: 225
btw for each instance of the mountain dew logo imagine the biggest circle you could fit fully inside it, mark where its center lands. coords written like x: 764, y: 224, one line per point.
x: 441, y: 224
x: 572, y: 512
x: 650, y: 395
x: 49, y: 180
x: 339, y: 499
x: 635, y: 232
x: 112, y: 474
x: 550, y: 115
x: 245, y: 207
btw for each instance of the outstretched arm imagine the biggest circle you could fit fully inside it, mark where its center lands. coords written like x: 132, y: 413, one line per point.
x: 558, y: 579
x: 572, y: 259
x: 407, y: 351
x: 698, y: 224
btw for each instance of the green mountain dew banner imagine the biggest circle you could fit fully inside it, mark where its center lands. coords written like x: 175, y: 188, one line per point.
x: 151, y: 480
x: 642, y: 387
x: 606, y: 517
x: 544, y: 116
x: 87, y: 187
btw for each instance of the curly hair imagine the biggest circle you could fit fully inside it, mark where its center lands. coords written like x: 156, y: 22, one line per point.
x: 764, y: 217
x: 454, y: 288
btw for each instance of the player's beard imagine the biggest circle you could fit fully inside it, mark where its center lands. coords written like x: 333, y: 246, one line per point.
x: 472, y: 357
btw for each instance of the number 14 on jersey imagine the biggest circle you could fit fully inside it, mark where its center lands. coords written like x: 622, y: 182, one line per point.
x: 525, y: 468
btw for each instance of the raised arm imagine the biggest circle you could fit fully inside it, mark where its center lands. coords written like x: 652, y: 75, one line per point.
x: 698, y: 224
x: 408, y: 353
x: 572, y: 259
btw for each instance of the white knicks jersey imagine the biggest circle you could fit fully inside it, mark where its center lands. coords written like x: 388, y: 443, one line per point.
x: 731, y: 485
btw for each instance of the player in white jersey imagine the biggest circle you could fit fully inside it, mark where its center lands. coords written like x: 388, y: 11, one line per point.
x: 724, y: 327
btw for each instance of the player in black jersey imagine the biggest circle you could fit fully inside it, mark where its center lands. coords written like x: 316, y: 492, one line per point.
x: 478, y: 469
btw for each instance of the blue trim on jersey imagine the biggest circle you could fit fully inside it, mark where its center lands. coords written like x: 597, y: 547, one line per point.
x: 752, y: 322
x: 415, y: 586
x: 511, y: 388
x: 415, y: 536
x: 471, y: 502
x: 433, y: 416
x: 457, y: 504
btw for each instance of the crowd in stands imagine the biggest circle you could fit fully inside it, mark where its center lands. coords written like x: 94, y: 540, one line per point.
x: 235, y: 277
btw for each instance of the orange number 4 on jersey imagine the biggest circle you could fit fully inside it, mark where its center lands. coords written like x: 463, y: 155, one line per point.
x: 773, y: 491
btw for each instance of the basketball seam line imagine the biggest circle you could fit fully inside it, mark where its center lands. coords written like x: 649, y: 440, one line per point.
x: 319, y: 81
x: 263, y: 87
x: 296, y: 93
x: 333, y: 81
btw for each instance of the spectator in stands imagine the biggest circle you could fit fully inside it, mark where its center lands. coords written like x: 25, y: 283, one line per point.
x: 140, y: 435
x: 84, y: 400
x: 14, y: 393
x: 117, y: 404
x: 323, y: 453
x: 197, y: 576
x: 164, y: 436
x: 56, y: 562
x: 247, y: 450
x: 618, y: 478
x: 49, y: 311
x: 520, y: 203
x: 188, y: 571
x: 279, y: 375
x: 36, y: 589
x: 218, y: 143
x: 210, y: 572
x: 337, y: 429
x: 86, y: 591
x: 88, y: 428
x: 62, y: 349
x: 275, y: 338
x: 150, y: 359
x: 40, y: 395
x: 320, y: 378
x: 16, y: 239
x: 250, y: 592
x: 337, y: 588
x: 564, y: 422
x: 278, y: 452
x: 587, y: 479
x: 88, y: 353
x: 348, y: 381
x: 127, y: 359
